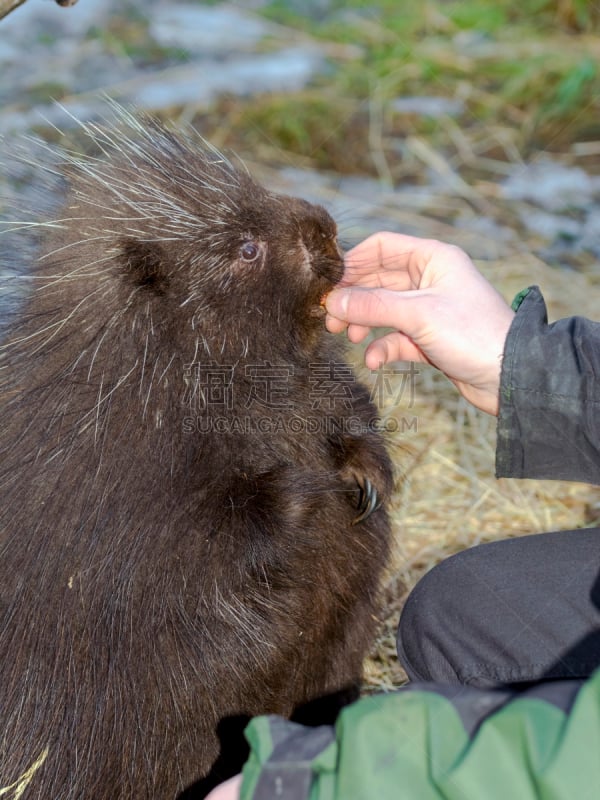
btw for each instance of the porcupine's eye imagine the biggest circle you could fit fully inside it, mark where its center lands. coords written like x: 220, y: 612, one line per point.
x: 249, y: 251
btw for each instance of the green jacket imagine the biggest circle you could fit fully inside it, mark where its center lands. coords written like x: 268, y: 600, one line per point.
x: 428, y: 742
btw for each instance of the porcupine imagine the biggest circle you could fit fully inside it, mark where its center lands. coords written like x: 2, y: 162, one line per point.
x: 189, y: 477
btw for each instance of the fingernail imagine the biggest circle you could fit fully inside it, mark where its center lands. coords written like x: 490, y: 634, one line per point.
x: 336, y: 303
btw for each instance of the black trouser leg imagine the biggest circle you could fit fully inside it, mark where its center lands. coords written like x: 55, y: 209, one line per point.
x: 509, y: 612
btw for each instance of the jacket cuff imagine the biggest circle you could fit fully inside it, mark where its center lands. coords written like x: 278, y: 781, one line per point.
x: 548, y: 422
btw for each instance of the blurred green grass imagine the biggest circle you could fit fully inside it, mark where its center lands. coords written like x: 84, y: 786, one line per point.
x: 524, y: 72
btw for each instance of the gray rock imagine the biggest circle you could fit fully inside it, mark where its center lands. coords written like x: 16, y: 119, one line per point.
x: 200, y: 83
x: 39, y: 17
x: 207, y: 29
x: 550, y: 226
x: 9, y: 51
x: 488, y: 229
x: 433, y: 107
x: 551, y: 186
x: 63, y: 116
x: 590, y: 237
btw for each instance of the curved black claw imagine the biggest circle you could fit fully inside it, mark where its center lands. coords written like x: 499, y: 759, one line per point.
x: 367, y: 501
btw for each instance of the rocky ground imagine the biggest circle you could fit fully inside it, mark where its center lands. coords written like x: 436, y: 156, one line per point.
x: 184, y: 56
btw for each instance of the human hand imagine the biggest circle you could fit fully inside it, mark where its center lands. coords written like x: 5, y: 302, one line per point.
x: 442, y: 310
x: 230, y: 790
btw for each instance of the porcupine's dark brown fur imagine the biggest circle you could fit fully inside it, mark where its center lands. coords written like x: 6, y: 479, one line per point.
x: 176, y: 555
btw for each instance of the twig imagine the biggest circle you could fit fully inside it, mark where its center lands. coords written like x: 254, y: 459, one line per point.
x: 6, y: 6
x: 376, y: 112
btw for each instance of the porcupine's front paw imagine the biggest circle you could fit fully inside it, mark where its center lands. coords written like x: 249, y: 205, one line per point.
x: 364, y: 467
x: 368, y: 499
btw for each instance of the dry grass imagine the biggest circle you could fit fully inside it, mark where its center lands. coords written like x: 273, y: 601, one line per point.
x: 447, y: 497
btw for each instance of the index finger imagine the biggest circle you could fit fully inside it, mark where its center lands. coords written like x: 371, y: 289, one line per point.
x: 388, y: 261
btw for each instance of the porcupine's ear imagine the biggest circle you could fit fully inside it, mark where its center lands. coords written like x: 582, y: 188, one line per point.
x: 144, y: 264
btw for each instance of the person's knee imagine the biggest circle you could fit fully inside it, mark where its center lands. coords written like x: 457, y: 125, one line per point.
x: 437, y: 619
